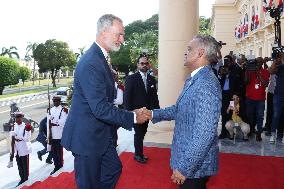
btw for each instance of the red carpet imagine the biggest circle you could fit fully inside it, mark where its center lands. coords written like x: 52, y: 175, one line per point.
x: 236, y: 172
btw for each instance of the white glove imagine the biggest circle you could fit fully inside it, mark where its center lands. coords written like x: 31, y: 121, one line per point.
x: 50, y: 117
x: 13, y: 133
x: 18, y: 137
x: 10, y: 164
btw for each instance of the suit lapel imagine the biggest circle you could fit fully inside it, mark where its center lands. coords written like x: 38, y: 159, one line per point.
x: 187, y: 84
x: 105, y: 64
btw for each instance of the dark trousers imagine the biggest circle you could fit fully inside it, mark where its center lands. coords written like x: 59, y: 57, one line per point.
x: 44, y: 151
x: 23, y: 166
x: 278, y: 109
x: 97, y: 171
x: 140, y: 132
x: 114, y: 135
x: 255, y: 111
x: 195, y: 183
x: 57, y: 153
x: 226, y: 98
x: 269, y: 111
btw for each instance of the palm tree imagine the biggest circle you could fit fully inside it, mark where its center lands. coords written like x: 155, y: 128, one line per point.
x: 12, y: 51
x: 29, y: 56
x: 80, y: 53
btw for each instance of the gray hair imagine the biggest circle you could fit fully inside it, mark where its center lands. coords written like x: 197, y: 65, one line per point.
x: 106, y: 21
x: 210, y: 46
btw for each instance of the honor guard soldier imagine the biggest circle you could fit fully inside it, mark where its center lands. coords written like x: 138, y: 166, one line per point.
x: 21, y: 136
x: 55, y: 122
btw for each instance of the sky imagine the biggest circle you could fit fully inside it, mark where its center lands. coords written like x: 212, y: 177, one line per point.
x: 72, y: 21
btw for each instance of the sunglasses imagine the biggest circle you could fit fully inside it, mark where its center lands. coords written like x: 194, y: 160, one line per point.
x: 144, y: 63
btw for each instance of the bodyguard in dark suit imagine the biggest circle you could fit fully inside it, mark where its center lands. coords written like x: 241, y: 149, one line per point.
x: 88, y: 129
x: 140, y: 91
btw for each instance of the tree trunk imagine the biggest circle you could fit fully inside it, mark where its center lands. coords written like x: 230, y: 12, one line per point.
x: 34, y: 74
x: 53, y: 80
x: 1, y: 89
x: 53, y: 77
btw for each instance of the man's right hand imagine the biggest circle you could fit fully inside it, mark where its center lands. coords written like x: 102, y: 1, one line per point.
x: 142, y: 115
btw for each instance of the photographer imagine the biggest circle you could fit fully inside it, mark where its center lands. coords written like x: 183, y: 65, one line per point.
x: 278, y: 99
x: 257, y: 79
x: 230, y: 83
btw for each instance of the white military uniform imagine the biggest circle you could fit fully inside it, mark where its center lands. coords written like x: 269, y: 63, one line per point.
x: 57, y: 116
x: 22, y: 147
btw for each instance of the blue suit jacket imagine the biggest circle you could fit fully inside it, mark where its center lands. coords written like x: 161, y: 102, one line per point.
x: 92, y: 116
x: 196, y: 113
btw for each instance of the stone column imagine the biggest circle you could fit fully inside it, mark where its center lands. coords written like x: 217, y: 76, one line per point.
x: 178, y: 24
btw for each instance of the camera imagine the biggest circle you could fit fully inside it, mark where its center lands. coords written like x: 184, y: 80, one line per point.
x: 251, y: 63
x: 277, y: 51
x: 221, y: 43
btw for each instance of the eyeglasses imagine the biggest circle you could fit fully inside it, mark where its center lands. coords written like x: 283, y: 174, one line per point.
x: 144, y: 63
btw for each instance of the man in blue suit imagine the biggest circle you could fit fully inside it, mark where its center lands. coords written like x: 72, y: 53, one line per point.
x: 194, y: 153
x: 92, y: 117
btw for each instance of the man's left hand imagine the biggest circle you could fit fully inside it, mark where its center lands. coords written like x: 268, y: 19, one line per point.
x: 177, y: 177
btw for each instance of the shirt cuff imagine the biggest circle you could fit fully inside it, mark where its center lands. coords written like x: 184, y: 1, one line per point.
x: 135, y: 121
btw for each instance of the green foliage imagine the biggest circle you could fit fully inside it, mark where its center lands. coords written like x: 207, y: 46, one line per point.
x: 80, y: 53
x: 30, y: 50
x: 204, y: 25
x: 24, y: 73
x: 139, y: 36
x: 29, y: 56
x: 11, y: 51
x: 52, y: 55
x: 148, y: 42
x: 9, y: 72
x: 121, y: 60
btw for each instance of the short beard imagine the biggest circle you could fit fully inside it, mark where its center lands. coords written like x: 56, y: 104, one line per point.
x: 115, y: 48
x: 112, y: 46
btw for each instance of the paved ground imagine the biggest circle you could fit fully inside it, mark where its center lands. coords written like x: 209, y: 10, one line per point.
x: 22, y: 99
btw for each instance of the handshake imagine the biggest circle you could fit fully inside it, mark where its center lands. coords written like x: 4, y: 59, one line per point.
x: 142, y: 115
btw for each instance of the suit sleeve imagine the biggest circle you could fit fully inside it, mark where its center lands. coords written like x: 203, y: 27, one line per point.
x: 156, y: 104
x: 207, y: 111
x: 94, y: 88
x: 166, y: 114
x: 127, y: 96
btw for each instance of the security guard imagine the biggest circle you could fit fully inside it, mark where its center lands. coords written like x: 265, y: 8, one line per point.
x: 22, y: 147
x: 56, y: 118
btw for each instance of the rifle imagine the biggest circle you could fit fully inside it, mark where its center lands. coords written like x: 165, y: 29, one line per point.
x: 49, y: 123
x: 12, y: 153
x: 12, y: 146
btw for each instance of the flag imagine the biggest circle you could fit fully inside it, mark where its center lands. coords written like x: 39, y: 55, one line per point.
x: 239, y: 32
x: 241, y: 29
x: 252, y: 19
x: 264, y: 6
x: 256, y: 20
x: 280, y: 5
x: 271, y: 3
x: 247, y: 24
